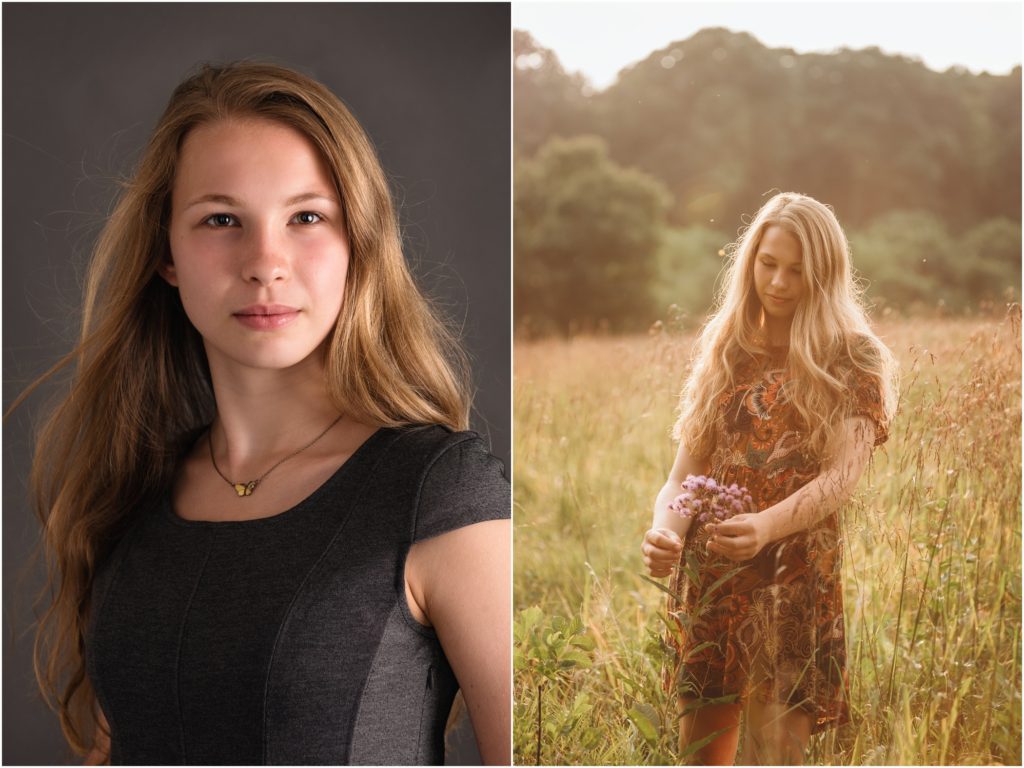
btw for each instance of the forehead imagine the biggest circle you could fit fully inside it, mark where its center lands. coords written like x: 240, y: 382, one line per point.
x: 779, y: 243
x: 241, y: 153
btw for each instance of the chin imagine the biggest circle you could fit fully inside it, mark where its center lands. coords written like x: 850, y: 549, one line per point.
x: 281, y: 362
x: 778, y: 314
x: 266, y: 359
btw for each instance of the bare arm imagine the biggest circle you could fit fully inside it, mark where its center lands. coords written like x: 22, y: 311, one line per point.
x: 664, y: 541
x: 743, y: 536
x: 461, y: 583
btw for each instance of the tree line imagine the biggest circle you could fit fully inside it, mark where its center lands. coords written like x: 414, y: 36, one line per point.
x: 625, y: 199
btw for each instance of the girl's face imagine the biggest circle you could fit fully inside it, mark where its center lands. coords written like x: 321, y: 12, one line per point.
x: 259, y: 251
x: 778, y: 273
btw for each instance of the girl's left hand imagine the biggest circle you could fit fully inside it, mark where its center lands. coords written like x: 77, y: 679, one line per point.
x: 738, y: 538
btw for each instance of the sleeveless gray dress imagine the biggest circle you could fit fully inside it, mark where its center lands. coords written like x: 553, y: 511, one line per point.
x: 288, y: 640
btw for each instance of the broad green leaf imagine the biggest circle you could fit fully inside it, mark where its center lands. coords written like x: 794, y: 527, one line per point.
x: 643, y: 724
x: 575, y: 658
x: 529, y: 618
x: 586, y: 642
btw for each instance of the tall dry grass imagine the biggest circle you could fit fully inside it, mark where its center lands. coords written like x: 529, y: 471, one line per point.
x: 932, y: 573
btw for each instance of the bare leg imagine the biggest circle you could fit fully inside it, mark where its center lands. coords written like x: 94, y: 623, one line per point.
x: 701, y: 723
x: 775, y: 734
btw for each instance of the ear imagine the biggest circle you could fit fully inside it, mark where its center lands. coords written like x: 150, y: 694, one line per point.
x: 167, y: 273
x: 166, y: 268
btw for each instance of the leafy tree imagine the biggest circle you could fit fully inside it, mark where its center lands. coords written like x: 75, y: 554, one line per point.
x: 703, y: 115
x: 689, y: 263
x: 722, y: 120
x: 922, y: 167
x: 990, y: 261
x: 908, y: 257
x: 549, y: 101
x: 586, y: 231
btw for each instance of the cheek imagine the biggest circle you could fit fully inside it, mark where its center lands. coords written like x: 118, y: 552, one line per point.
x: 196, y: 259
x: 325, y: 268
x: 326, y: 265
x: 759, y: 277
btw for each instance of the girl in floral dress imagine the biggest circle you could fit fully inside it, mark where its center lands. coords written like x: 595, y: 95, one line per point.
x: 789, y: 392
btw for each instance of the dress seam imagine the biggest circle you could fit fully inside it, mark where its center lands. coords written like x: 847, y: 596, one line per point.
x: 466, y: 437
x: 399, y: 585
x: 362, y: 692
x: 299, y: 589
x: 423, y: 712
x: 400, y: 597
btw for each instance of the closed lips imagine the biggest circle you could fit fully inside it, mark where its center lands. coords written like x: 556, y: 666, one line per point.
x: 266, y: 318
x: 262, y: 311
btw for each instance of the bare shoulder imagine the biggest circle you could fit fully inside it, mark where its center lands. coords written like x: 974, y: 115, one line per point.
x: 463, y: 585
x: 470, y: 563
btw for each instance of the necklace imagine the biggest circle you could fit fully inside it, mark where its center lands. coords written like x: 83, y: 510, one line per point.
x: 246, y: 489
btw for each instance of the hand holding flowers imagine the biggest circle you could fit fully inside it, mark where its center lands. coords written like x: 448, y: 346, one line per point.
x: 740, y: 537
x: 735, y: 529
x: 660, y: 549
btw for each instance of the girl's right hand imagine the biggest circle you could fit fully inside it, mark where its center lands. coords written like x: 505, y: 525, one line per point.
x: 661, y: 548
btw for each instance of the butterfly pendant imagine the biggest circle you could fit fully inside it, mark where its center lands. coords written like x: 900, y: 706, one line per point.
x: 245, y: 489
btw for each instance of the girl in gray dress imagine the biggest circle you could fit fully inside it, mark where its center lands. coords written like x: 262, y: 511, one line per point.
x: 269, y: 538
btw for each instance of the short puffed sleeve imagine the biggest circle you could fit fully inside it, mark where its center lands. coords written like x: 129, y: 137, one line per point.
x: 463, y: 484
x: 867, y: 402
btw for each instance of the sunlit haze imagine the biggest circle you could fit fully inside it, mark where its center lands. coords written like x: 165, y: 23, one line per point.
x: 599, y: 39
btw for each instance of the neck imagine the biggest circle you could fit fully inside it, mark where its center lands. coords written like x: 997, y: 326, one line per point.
x: 263, y: 415
x: 776, y: 331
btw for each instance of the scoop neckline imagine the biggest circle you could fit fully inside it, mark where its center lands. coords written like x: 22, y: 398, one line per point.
x: 167, y: 506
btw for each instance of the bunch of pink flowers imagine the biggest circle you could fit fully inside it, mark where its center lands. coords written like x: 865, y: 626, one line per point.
x: 706, y: 500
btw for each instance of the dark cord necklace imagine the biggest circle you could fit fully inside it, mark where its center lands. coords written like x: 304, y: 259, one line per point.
x: 246, y: 489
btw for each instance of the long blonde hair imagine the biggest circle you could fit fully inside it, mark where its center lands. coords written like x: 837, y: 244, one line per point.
x: 141, y: 392
x: 830, y: 338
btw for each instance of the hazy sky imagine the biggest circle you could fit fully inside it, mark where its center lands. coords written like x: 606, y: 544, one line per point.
x: 600, y: 38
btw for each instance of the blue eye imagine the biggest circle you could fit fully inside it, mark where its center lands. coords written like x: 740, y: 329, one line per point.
x: 221, y: 220
x: 307, y: 217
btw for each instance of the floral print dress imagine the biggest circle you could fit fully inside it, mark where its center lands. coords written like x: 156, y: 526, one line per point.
x: 772, y: 626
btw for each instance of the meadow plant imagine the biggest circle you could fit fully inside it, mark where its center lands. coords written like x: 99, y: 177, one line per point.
x: 705, y: 499
x: 931, y: 567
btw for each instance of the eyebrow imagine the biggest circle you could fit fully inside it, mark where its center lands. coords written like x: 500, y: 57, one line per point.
x: 770, y: 255
x: 228, y: 200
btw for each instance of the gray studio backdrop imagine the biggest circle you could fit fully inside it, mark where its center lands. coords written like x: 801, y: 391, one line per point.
x: 83, y: 86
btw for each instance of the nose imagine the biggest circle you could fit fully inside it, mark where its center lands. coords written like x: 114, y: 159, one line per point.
x: 265, y: 260
x: 779, y: 279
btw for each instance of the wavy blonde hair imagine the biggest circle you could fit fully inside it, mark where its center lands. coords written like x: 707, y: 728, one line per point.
x: 830, y: 338
x: 141, y: 392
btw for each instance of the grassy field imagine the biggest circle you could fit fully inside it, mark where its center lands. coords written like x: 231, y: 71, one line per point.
x: 932, y: 571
